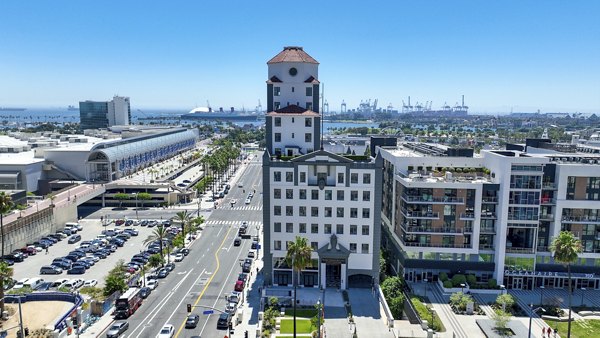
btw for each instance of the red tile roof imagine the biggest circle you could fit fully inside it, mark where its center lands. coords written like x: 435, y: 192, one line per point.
x: 293, y: 110
x: 312, y: 80
x: 292, y: 54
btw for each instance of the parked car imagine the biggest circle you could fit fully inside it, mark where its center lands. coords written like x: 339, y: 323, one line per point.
x: 247, y: 265
x: 57, y: 283
x: 45, y: 286
x: 231, y: 308
x: 251, y: 254
x: 185, y: 251
x: 192, y: 321
x: 237, y: 241
x: 119, y: 222
x: 76, y: 270
x: 152, y: 284
x: 162, y: 273
x: 145, y: 292
x: 170, y: 266
x: 167, y: 331
x: 74, y: 239
x: 117, y: 329
x: 20, y: 284
x: 90, y: 283
x: 74, y: 283
x: 50, y: 270
x: 239, y: 286
x: 243, y: 277
x: 179, y: 257
x: 223, y: 321
x: 254, y: 245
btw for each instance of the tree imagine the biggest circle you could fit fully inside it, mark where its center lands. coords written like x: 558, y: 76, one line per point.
x: 566, y: 248
x: 6, y: 205
x: 121, y: 197
x: 6, y: 273
x: 392, y: 287
x: 115, y: 280
x: 184, y: 218
x: 397, y: 306
x: 144, y: 196
x: 501, y: 320
x: 158, y: 234
x: 506, y: 301
x: 156, y: 260
x: 298, y: 257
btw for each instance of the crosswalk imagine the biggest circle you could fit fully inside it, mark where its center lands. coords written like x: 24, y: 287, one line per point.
x: 236, y: 223
x: 245, y: 207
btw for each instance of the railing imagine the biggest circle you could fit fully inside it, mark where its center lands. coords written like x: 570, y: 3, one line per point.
x: 468, y: 215
x: 488, y: 214
x: 519, y: 250
x: 431, y: 199
x: 490, y: 199
x: 432, y: 245
x: 468, y: 229
x: 433, y: 230
x: 590, y: 219
x: 547, y: 217
x: 420, y: 214
x: 543, y: 248
x: 516, y: 217
x: 486, y: 247
x: 548, y: 185
x: 488, y: 230
x: 548, y: 200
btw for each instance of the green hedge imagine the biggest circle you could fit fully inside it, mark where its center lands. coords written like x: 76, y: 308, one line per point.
x: 425, y: 314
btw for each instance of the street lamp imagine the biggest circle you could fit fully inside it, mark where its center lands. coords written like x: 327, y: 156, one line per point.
x: 136, y: 205
x: 582, y: 291
x: 503, y: 288
x: 531, y: 317
x: 542, y: 294
x: 462, y: 286
x: 432, y: 310
x: 319, y: 315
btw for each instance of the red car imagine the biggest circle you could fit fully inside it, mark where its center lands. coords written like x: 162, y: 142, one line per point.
x: 239, y: 286
x: 28, y: 251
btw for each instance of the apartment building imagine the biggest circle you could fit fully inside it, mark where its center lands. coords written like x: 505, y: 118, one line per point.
x: 492, y: 214
x: 327, y: 198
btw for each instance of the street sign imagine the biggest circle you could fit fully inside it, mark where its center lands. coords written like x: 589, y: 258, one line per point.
x: 208, y: 312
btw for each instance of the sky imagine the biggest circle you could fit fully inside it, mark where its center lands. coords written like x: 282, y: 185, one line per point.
x: 502, y: 55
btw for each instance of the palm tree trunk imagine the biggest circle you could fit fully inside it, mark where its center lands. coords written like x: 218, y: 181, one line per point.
x: 570, y: 291
x: 295, y: 301
x: 2, y: 233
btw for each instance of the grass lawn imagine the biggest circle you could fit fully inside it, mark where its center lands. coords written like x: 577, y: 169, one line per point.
x: 306, y: 313
x: 425, y: 314
x: 586, y: 328
x: 302, y: 325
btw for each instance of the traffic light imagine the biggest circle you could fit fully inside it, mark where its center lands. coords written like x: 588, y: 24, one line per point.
x: 189, y: 308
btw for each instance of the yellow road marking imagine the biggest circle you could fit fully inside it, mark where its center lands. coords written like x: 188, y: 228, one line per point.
x: 209, y: 281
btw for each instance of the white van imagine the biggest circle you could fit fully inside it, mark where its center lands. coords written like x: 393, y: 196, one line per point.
x: 74, y: 225
x: 34, y: 282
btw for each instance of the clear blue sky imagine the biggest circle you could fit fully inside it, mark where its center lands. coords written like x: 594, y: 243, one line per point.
x: 527, y: 55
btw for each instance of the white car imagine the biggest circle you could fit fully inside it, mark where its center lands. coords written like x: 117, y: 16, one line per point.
x: 92, y: 257
x: 37, y: 248
x: 20, y: 284
x: 247, y: 201
x: 231, y: 308
x: 90, y: 283
x: 152, y: 284
x: 59, y: 282
x: 179, y: 257
x: 166, y: 332
x: 74, y: 284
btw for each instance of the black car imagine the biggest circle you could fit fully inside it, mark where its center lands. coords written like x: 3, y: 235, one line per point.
x: 56, y: 237
x: 247, y: 265
x: 154, y: 249
x: 185, y: 251
x: 223, y: 322
x: 192, y: 321
x: 162, y: 273
x: 72, y: 258
x: 243, y: 277
x: 78, y: 253
x: 76, y: 270
x: 63, y: 264
x: 45, y: 286
x: 237, y: 241
x: 13, y: 258
x: 170, y: 267
x: 117, y: 242
x: 145, y: 292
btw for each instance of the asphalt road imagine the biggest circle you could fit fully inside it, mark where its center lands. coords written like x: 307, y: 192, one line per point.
x: 209, y: 272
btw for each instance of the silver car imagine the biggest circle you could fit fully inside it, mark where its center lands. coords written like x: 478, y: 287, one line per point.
x: 117, y: 329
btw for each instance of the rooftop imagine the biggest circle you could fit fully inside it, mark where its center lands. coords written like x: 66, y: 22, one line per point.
x: 293, y: 110
x: 292, y: 54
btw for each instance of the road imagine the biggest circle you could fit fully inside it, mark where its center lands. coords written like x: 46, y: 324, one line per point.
x: 209, y: 272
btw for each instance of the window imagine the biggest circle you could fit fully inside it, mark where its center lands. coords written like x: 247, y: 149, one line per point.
x: 340, y: 212
x: 309, y: 105
x: 314, y: 194
x: 302, y: 211
x: 340, y: 195
x: 276, y: 91
x: 277, y: 194
x: 277, y: 105
x: 308, y: 91
x: 340, y: 178
x: 314, y: 246
x: 292, y: 89
x: 354, y: 195
x: 365, y: 230
x: 276, y: 227
x: 366, y: 196
x: 353, y: 212
x: 308, y: 137
x: 328, y: 212
x: 314, y: 228
x: 293, y: 135
x: 353, y: 229
x: 289, y: 227
x: 353, y: 247
x: 327, y: 229
x: 277, y: 176
x: 277, y: 245
x: 314, y: 211
x: 289, y: 194
x: 289, y: 210
x: 354, y: 178
x: 366, y: 178
x: 307, y: 122
x: 449, y: 210
x: 278, y: 121
x: 277, y: 210
x: 277, y: 137
x: 339, y: 229
x: 366, y: 213
x: 365, y: 248
x: 302, y: 194
x: 302, y: 228
x: 302, y: 177
x: 328, y: 195
x: 289, y: 176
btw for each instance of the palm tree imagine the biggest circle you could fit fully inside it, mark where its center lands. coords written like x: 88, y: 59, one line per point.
x: 298, y: 257
x: 6, y: 272
x: 158, y: 234
x: 5, y: 205
x: 566, y: 248
x: 184, y: 217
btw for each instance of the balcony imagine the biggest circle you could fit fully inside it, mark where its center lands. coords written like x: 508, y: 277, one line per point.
x: 519, y: 250
x: 431, y: 230
x: 420, y: 214
x: 548, y: 201
x: 488, y: 214
x: 487, y: 230
x: 523, y: 217
x: 581, y: 219
x: 432, y: 200
x: 543, y: 248
x: 547, y: 217
x: 440, y: 245
x: 467, y: 216
x: 490, y: 199
x: 468, y: 230
x: 486, y: 247
x: 548, y: 186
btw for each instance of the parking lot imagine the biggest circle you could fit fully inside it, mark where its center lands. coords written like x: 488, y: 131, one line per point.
x: 30, y: 267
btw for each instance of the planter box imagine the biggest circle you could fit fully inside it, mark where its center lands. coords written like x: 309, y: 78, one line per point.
x: 467, y: 288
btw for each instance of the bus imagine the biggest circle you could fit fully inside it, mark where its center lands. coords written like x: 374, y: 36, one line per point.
x: 128, y: 303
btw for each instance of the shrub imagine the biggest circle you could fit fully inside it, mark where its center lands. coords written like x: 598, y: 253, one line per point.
x: 443, y: 276
x: 492, y: 283
x: 392, y: 287
x: 471, y: 280
x: 506, y: 301
x: 448, y: 284
x: 458, y: 279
